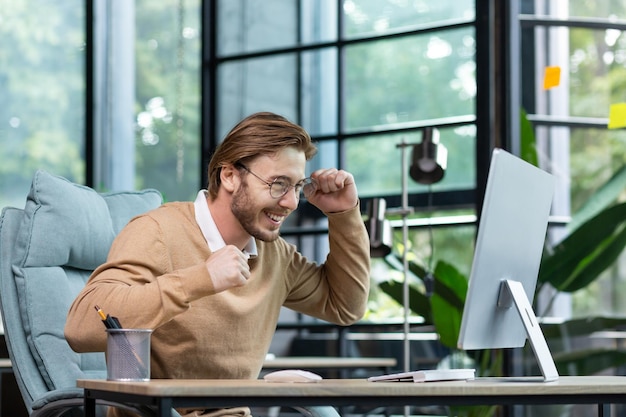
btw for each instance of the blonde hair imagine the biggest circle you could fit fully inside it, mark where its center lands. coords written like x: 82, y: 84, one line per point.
x: 261, y: 133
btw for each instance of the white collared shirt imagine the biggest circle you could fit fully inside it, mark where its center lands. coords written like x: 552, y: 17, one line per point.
x: 209, y: 229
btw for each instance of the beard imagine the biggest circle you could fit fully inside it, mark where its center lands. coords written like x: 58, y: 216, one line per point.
x: 245, y: 211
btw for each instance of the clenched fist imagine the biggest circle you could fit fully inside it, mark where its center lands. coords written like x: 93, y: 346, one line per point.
x: 228, y: 268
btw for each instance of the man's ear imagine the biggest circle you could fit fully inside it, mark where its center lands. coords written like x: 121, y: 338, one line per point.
x: 230, y: 178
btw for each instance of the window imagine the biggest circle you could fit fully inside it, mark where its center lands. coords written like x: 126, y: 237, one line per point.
x: 361, y: 76
x: 144, y: 75
x: 585, y: 41
x: 148, y: 96
x: 42, y: 88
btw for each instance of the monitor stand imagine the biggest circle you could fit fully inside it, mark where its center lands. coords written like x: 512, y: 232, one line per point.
x: 512, y: 292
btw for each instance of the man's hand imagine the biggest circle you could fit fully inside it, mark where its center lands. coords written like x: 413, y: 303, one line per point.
x: 335, y: 190
x: 228, y: 268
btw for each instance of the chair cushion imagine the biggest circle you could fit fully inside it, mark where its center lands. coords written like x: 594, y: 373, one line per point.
x: 67, y: 224
x: 66, y: 232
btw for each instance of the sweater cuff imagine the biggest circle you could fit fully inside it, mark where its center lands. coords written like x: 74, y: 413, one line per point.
x: 196, y: 282
x: 349, y: 217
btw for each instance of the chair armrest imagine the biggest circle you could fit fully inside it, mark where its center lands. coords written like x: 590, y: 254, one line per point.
x: 57, y: 395
x: 57, y: 402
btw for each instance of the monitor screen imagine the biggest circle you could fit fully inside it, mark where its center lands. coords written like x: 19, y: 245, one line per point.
x: 509, y: 246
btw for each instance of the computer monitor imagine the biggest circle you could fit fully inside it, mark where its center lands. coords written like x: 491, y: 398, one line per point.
x: 511, y: 233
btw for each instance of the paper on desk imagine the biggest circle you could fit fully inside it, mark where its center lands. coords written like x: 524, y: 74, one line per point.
x: 428, y: 375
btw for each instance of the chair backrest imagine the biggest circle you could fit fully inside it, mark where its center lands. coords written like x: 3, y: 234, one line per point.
x: 47, y: 252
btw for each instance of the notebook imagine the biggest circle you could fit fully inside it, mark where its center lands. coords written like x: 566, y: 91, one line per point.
x: 427, y: 375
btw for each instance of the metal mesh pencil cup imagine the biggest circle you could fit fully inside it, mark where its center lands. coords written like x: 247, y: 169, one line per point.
x: 128, y: 354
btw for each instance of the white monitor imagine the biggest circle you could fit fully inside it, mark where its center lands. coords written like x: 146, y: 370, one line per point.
x: 511, y: 235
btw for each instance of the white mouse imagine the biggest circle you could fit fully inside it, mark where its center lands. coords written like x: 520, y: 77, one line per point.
x: 292, y: 375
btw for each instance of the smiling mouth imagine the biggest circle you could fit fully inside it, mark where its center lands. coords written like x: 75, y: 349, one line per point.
x: 276, y: 218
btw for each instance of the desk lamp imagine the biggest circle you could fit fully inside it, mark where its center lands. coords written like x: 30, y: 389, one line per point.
x: 378, y: 228
x: 429, y: 158
x: 428, y: 164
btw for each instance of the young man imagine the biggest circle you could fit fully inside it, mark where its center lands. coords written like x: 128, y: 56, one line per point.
x: 210, y: 277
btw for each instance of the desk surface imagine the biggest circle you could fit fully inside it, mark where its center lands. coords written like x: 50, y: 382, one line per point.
x: 168, y: 394
x: 355, y: 388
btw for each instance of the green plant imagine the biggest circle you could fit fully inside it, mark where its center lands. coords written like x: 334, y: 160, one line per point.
x: 593, y: 244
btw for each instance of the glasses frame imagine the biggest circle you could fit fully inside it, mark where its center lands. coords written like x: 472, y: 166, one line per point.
x: 298, y: 187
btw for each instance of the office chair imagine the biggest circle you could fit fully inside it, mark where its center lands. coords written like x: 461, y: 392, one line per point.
x: 47, y: 252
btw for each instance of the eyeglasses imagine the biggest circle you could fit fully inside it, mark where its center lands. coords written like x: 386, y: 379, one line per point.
x: 281, y: 185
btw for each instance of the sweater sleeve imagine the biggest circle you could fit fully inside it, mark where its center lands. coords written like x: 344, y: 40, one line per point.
x: 337, y: 290
x: 139, y: 284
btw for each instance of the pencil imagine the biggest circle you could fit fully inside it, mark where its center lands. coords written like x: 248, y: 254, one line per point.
x: 109, y: 322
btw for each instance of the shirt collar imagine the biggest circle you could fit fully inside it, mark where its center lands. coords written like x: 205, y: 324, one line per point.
x: 209, y: 229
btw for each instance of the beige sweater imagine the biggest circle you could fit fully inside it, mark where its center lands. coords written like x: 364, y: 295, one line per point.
x: 155, y: 277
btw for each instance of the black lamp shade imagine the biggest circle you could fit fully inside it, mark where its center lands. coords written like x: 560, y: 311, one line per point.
x: 379, y: 229
x: 429, y: 158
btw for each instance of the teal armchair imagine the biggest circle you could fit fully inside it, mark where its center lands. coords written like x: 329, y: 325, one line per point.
x: 47, y: 252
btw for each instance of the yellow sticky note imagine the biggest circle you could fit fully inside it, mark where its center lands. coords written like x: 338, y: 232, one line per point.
x: 552, y: 77
x: 617, y: 116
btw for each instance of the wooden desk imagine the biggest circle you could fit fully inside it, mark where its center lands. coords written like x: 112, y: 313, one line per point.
x: 168, y: 393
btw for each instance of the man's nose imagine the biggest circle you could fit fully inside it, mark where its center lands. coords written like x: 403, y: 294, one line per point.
x: 291, y: 199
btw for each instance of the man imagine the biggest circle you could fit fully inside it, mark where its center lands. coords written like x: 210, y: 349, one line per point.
x: 210, y: 277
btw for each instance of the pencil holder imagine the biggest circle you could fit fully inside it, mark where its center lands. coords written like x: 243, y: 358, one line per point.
x: 128, y: 354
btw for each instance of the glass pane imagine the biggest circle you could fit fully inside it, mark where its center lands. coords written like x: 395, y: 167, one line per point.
x: 319, y: 91
x: 378, y: 17
x: 582, y: 159
x: 596, y: 155
x: 251, y: 25
x: 376, y: 162
x: 427, y: 247
x: 410, y: 79
x: 605, y: 295
x: 326, y: 157
x: 597, y: 8
x: 262, y: 84
x: 454, y: 245
x: 589, y: 68
x: 168, y: 97
x: 319, y: 21
x: 597, y: 59
x: 42, y: 85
